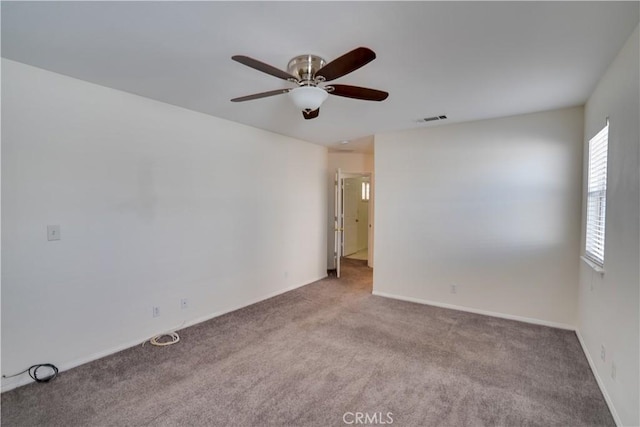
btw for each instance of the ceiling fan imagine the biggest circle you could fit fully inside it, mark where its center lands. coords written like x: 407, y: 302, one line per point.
x: 308, y: 72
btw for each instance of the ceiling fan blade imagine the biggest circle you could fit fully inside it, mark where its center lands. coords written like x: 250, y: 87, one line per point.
x: 357, y: 92
x: 311, y: 114
x: 347, y: 63
x: 265, y: 68
x: 260, y: 95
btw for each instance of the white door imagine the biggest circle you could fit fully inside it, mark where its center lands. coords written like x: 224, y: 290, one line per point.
x: 351, y: 200
x: 337, y: 220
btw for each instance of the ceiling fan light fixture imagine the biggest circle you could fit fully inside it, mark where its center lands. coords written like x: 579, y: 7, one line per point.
x: 308, y: 98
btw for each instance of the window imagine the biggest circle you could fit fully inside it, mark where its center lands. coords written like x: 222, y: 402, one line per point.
x: 597, y: 196
x: 365, y: 190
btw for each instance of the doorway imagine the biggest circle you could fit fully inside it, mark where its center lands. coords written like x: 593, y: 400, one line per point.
x: 353, y: 217
x: 356, y: 194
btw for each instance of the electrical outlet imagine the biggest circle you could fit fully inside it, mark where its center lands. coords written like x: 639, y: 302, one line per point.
x: 613, y: 371
x: 156, y: 311
x: 184, y: 304
x: 603, y: 353
x: 454, y: 288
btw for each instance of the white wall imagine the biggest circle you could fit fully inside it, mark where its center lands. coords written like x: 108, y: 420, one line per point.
x: 490, y: 206
x: 608, y: 308
x: 155, y: 203
x: 348, y: 162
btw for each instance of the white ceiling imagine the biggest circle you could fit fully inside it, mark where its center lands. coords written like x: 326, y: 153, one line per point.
x: 468, y: 60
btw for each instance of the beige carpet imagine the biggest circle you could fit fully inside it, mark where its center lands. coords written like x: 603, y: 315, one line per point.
x: 314, y: 354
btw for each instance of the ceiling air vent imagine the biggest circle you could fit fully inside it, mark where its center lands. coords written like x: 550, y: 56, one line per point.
x: 431, y: 119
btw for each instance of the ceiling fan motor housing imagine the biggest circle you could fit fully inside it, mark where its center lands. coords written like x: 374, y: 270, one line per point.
x: 304, y: 67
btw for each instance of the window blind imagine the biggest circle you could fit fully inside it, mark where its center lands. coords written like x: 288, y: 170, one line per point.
x: 597, y: 196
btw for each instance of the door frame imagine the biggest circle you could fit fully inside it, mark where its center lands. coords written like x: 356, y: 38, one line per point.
x: 339, y: 215
x: 346, y: 199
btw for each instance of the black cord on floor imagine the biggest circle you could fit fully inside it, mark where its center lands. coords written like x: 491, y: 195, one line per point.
x: 33, y: 373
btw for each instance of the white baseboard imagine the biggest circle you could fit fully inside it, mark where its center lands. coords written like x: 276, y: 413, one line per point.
x: 477, y: 311
x: 592, y: 365
x: 11, y: 383
x: 262, y: 298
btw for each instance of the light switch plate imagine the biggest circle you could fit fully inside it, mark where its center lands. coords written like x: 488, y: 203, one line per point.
x: 53, y: 232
